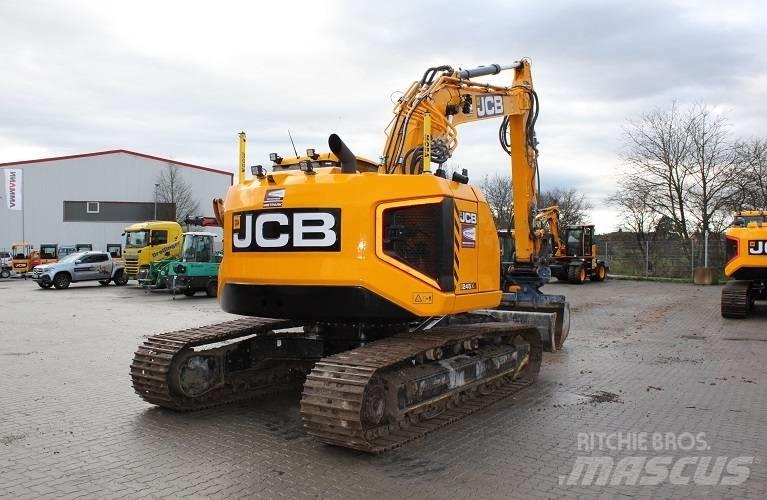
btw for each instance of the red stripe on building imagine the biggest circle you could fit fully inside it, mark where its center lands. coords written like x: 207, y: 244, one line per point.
x: 115, y: 151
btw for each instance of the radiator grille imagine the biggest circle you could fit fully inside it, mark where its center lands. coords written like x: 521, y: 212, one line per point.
x: 421, y: 237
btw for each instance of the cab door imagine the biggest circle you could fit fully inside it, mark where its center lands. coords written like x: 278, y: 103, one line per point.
x: 94, y: 266
x: 84, y: 268
x: 158, y: 240
x: 102, y: 268
x: 588, y: 240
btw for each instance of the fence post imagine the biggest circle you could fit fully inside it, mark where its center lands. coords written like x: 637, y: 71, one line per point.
x: 692, y: 256
x: 705, y: 249
x: 646, y: 258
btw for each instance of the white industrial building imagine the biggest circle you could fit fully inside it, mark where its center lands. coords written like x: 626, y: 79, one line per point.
x: 91, y: 198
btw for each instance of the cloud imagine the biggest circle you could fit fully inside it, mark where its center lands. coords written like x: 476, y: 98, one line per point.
x: 180, y: 79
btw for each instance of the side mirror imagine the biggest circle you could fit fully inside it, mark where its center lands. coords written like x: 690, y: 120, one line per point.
x: 78, y: 262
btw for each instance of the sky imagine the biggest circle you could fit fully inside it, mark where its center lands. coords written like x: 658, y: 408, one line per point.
x: 181, y: 79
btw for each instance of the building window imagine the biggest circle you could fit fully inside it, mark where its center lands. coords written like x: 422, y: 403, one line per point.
x: 117, y: 211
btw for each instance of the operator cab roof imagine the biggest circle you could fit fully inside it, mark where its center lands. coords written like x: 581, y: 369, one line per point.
x: 200, y: 233
x: 320, y: 161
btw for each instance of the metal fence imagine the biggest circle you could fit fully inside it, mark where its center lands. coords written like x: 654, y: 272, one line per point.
x: 628, y: 255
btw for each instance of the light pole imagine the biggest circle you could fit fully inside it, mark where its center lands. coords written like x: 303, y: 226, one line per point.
x: 156, y: 186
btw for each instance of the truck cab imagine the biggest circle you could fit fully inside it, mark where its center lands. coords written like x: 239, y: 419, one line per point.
x: 148, y: 242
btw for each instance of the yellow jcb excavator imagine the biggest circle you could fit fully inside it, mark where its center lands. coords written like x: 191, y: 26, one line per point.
x: 381, y: 279
x: 746, y: 265
x: 575, y: 256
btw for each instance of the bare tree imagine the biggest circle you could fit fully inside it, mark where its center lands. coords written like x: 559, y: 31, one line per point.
x: 637, y: 216
x: 497, y: 192
x: 751, y: 175
x: 172, y: 188
x: 658, y: 147
x: 712, y: 168
x: 573, y: 205
x: 683, y: 163
x: 497, y: 189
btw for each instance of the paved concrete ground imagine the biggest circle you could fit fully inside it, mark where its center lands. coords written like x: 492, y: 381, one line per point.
x: 642, y: 358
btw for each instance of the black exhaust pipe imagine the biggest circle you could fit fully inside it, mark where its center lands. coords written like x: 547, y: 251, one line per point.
x: 348, y: 160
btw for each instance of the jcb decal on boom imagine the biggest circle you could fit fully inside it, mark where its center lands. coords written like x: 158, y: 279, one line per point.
x: 757, y: 247
x: 288, y: 230
x: 489, y: 105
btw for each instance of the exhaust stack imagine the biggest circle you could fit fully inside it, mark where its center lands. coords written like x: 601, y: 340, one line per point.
x: 348, y: 160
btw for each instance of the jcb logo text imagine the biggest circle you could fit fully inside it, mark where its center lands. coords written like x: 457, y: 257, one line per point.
x: 757, y: 247
x: 489, y: 105
x: 468, y: 217
x: 288, y: 230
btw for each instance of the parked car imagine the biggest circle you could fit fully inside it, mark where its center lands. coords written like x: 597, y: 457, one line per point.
x: 6, y: 267
x: 81, y: 266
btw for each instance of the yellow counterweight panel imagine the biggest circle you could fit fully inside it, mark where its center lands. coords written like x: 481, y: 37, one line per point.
x: 752, y: 249
x: 361, y: 199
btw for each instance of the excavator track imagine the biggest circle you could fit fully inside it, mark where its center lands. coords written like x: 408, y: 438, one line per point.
x: 353, y: 399
x: 155, y: 367
x: 735, y: 299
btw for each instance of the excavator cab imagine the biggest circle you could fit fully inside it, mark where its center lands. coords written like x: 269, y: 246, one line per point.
x: 48, y: 253
x: 24, y: 257
x: 579, y: 240
x: 198, y: 247
x: 115, y: 250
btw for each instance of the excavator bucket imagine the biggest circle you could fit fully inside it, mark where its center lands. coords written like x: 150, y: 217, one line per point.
x: 549, y: 313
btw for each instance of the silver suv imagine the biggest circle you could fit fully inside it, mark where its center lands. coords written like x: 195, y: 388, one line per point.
x: 81, y: 266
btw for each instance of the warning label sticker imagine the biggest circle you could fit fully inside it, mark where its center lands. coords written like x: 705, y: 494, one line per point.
x: 423, y: 298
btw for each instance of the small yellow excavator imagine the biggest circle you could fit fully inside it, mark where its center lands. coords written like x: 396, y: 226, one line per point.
x: 746, y: 266
x: 376, y: 285
x: 575, y: 257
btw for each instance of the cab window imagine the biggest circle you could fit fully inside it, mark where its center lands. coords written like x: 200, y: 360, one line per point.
x: 574, y: 238
x: 48, y: 252
x: 159, y: 237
